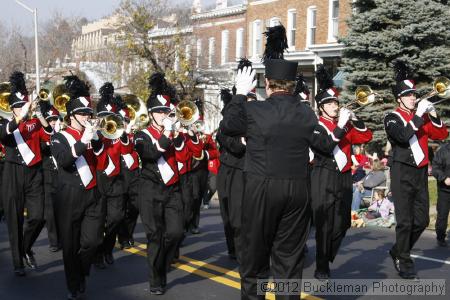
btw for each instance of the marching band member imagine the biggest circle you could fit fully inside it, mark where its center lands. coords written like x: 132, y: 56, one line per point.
x: 22, y: 182
x: 159, y: 199
x: 130, y: 171
x: 408, y: 130
x: 78, y: 202
x: 230, y: 183
x: 275, y: 213
x: 331, y: 180
x: 200, y: 171
x: 110, y: 180
x: 50, y: 173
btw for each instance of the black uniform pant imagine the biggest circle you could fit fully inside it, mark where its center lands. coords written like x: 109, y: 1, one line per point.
x: 230, y: 188
x: 161, y: 211
x: 331, y: 195
x: 187, y: 195
x: 275, y: 225
x: 200, y: 185
x: 49, y: 204
x: 80, y: 223
x: 211, y: 188
x: 442, y: 207
x: 112, y: 193
x: 128, y: 224
x: 409, y: 187
x: 22, y: 189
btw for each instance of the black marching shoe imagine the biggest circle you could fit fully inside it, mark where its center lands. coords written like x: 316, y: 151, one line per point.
x: 20, y: 272
x: 157, y: 291
x: 99, y: 263
x: 30, y: 260
x: 82, y: 286
x: 322, y: 276
x: 109, y: 258
x: 407, y: 270
x: 442, y: 243
x: 195, y: 230
x: 72, y: 296
x: 395, y: 260
x: 54, y: 248
x: 125, y: 245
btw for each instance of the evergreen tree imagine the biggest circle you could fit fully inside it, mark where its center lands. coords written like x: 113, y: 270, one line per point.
x: 383, y: 31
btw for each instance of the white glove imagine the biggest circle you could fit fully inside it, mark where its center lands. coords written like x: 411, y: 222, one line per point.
x: 245, y: 81
x: 57, y: 127
x: 88, y: 134
x: 167, y: 123
x: 25, y: 109
x: 423, y: 107
x: 176, y: 126
x: 128, y: 128
x: 344, y: 117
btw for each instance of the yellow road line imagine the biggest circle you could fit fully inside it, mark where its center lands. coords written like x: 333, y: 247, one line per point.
x: 138, y: 249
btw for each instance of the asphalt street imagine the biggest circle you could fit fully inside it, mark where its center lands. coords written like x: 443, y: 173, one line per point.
x: 204, y: 270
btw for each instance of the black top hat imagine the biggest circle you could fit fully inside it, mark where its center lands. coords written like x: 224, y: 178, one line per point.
x: 273, y: 57
x: 49, y: 111
x: 403, y: 77
x: 327, y: 91
x: 80, y: 99
x: 19, y: 93
x: 162, y: 94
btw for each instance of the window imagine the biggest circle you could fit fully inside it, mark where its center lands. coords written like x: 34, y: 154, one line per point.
x: 333, y: 21
x: 224, y: 47
x: 292, y: 20
x: 199, y: 53
x: 211, y: 46
x: 257, y: 38
x: 239, y: 43
x: 311, y: 26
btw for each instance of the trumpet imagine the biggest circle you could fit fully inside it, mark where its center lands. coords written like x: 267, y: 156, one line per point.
x: 44, y: 94
x: 441, y: 88
x: 364, y: 96
x: 111, y: 127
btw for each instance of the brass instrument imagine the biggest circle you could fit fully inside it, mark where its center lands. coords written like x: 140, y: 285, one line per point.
x: 441, y: 88
x: 137, y: 110
x: 364, y: 96
x: 111, y: 127
x: 5, y: 109
x: 44, y: 94
x: 60, y: 98
x: 187, y: 113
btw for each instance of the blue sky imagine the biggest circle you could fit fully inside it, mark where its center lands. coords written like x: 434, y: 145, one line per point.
x: 12, y: 13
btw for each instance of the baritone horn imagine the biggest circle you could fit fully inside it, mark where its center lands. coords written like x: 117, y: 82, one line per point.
x: 137, y: 109
x: 5, y: 109
x: 60, y: 98
x: 187, y: 113
x: 111, y: 127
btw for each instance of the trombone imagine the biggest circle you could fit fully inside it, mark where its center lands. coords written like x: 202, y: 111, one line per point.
x: 111, y: 127
x: 441, y: 88
x: 364, y: 96
x: 187, y: 113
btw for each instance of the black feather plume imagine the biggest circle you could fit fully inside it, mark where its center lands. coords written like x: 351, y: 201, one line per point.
x: 76, y: 87
x: 118, y: 101
x: 106, y: 92
x: 17, y: 80
x: 276, y: 42
x: 157, y: 83
x: 225, y: 96
x: 300, y: 86
x: 402, y: 71
x: 324, y: 79
x: 244, y: 62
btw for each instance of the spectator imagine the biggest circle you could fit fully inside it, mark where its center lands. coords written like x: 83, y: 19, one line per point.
x: 363, y: 188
